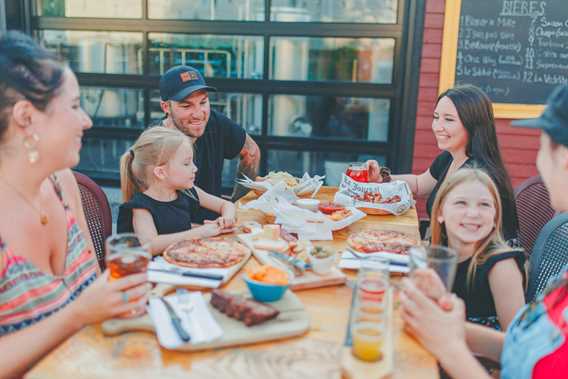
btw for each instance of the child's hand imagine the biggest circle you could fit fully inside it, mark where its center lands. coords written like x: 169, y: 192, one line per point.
x: 209, y: 229
x: 220, y: 222
x: 229, y: 215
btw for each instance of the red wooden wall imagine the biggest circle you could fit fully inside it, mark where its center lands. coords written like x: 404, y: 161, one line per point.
x: 518, y: 146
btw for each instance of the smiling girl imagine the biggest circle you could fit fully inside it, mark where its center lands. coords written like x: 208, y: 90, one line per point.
x: 157, y: 176
x: 466, y: 216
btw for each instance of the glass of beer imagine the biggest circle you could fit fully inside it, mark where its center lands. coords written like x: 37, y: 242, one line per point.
x: 358, y: 171
x: 125, y: 255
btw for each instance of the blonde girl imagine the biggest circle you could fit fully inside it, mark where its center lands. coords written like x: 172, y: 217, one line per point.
x: 157, y: 175
x: 467, y: 217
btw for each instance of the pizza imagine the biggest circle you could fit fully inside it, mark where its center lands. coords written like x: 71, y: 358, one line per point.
x: 215, y: 252
x: 368, y: 241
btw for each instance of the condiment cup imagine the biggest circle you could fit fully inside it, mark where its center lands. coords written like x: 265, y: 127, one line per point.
x: 320, y: 265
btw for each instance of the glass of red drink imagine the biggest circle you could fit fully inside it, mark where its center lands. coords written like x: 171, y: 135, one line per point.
x: 125, y: 256
x: 358, y: 171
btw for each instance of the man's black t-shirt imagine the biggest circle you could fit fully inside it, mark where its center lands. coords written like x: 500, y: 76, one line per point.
x: 222, y: 139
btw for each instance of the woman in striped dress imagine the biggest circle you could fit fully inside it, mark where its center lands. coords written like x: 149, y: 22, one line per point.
x: 50, y: 284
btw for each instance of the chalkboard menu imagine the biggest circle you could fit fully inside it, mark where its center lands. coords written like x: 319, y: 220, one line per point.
x: 515, y: 50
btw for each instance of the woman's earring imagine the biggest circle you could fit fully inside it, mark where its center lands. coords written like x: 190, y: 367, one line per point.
x: 30, y: 143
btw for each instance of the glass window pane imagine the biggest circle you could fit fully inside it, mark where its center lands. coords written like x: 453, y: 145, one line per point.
x: 90, y: 8
x: 114, y: 107
x: 214, y: 55
x: 97, y: 52
x: 332, y: 165
x: 336, y: 59
x: 103, y: 154
x: 244, y: 109
x: 229, y: 173
x: 359, y: 11
x: 348, y: 118
x: 239, y: 10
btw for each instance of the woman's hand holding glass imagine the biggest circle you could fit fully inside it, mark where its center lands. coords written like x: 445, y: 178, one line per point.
x: 435, y: 317
x: 106, y: 299
x: 374, y: 171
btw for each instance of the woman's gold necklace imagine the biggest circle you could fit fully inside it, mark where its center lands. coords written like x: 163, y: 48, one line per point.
x: 43, y: 219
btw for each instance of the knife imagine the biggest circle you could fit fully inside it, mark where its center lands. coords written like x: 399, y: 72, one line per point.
x: 192, y: 274
x: 176, y: 321
x: 391, y: 262
x: 298, y: 265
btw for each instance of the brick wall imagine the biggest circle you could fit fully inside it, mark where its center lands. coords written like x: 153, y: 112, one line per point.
x: 518, y: 146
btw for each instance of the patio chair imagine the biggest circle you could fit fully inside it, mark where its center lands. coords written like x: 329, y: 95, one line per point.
x: 533, y: 211
x: 97, y: 212
x: 550, y: 255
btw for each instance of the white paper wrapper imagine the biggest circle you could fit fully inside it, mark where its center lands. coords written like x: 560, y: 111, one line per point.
x: 307, y: 185
x: 307, y: 224
x: 349, y: 189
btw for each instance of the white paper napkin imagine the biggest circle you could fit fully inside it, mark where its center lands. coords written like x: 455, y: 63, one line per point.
x: 162, y: 277
x: 350, y: 262
x: 199, y: 324
x: 355, y: 216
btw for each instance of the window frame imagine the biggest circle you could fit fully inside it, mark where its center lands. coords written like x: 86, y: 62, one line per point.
x: 402, y: 91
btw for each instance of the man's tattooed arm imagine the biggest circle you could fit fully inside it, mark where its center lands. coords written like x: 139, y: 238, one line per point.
x: 248, y: 165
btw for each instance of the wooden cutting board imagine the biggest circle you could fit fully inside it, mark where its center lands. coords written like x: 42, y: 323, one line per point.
x: 293, y: 320
x: 300, y: 282
x: 354, y: 368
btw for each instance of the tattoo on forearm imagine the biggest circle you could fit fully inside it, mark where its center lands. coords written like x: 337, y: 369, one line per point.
x: 248, y: 165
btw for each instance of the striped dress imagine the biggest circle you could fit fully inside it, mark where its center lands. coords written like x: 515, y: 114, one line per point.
x: 28, y: 295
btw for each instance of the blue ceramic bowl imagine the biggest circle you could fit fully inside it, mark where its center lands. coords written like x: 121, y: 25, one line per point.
x: 265, y: 292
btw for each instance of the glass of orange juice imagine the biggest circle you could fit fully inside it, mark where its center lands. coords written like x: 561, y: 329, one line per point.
x: 125, y: 255
x: 367, y: 340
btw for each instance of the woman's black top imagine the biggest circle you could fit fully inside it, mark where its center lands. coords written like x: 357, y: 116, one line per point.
x: 479, y: 303
x: 169, y: 216
x: 439, y: 170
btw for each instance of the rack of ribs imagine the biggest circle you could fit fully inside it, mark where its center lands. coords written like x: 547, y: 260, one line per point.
x: 248, y: 311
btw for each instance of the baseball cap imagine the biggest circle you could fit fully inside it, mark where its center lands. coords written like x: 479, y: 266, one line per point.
x: 554, y: 118
x: 181, y: 81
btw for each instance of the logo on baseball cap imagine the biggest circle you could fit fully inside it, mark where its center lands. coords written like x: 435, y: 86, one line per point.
x: 181, y: 81
x: 554, y: 119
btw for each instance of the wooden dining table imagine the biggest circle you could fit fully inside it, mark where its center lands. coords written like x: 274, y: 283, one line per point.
x: 90, y: 354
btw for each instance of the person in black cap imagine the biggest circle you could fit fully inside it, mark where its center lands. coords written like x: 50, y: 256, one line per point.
x: 536, y: 342
x: 185, y: 102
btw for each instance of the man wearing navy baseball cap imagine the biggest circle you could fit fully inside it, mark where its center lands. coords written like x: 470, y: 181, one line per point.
x: 552, y: 158
x: 185, y: 101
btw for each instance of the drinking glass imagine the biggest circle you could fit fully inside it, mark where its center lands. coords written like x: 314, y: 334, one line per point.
x: 125, y: 255
x: 370, y: 310
x: 358, y: 171
x: 441, y: 259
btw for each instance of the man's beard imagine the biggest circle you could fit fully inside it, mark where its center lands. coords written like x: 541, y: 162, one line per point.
x: 179, y: 126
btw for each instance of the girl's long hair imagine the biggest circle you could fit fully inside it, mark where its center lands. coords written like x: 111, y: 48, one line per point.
x: 494, y: 243
x: 155, y: 147
x: 476, y: 114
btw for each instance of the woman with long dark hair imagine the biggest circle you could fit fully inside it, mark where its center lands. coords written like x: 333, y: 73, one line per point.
x: 536, y: 342
x: 50, y: 284
x: 464, y: 127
